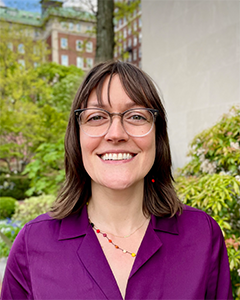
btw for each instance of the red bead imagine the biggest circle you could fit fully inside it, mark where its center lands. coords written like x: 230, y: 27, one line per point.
x: 104, y: 235
x: 98, y: 231
x: 110, y: 241
x: 153, y: 180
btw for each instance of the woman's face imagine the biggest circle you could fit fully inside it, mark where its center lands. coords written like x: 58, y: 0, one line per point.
x: 123, y: 173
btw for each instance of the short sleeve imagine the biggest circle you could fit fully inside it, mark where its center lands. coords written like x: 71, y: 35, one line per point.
x: 16, y: 282
x: 219, y: 282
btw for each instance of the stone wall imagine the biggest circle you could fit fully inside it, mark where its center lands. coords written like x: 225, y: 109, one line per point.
x: 192, y: 51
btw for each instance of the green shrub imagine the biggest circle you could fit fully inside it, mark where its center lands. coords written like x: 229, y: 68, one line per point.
x: 211, y: 182
x: 7, y: 207
x: 14, y: 186
x: 33, y: 207
x: 10, y: 229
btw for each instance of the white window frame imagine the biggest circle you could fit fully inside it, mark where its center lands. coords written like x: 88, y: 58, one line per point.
x: 10, y: 46
x: 80, y: 62
x: 134, y: 54
x: 63, y: 25
x: 71, y: 26
x: 77, y: 45
x: 89, y: 62
x: 130, y: 30
x: 21, y: 48
x: 89, y: 47
x: 63, y: 44
x: 139, y: 52
x: 130, y: 42
x: 135, y: 25
x: 64, y: 60
x: 135, y: 40
x: 124, y: 33
x: 22, y: 62
x: 79, y: 27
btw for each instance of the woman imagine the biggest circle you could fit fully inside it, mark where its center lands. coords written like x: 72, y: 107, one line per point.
x: 117, y: 229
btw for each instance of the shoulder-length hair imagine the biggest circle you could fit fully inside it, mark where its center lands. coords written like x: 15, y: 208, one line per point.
x: 160, y: 198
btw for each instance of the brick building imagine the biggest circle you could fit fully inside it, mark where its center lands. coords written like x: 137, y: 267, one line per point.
x: 128, y: 38
x: 68, y: 32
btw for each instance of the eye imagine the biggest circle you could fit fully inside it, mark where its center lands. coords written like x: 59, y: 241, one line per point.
x: 137, y: 117
x: 95, y: 118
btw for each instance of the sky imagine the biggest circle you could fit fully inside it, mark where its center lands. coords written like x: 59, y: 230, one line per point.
x: 34, y: 5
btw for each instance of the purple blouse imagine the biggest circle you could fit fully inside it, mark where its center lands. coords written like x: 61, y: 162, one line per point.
x: 183, y: 257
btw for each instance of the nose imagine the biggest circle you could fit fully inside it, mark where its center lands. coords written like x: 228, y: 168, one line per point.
x: 116, y: 132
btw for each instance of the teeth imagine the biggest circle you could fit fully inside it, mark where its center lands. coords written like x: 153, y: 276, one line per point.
x: 116, y: 156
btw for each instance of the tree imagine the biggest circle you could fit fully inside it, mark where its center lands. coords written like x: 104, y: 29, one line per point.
x: 105, y: 31
x: 211, y: 182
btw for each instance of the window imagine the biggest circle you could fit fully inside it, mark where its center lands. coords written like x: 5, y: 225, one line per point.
x: 125, y: 32
x: 21, y: 48
x: 124, y: 46
x: 135, y: 39
x: 140, y: 37
x: 80, y: 62
x: 63, y: 25
x: 130, y: 30
x: 10, y: 46
x: 78, y: 27
x: 89, y: 27
x: 139, y: 52
x: 120, y: 50
x: 140, y: 22
x: 71, y: 26
x: 130, y: 57
x: 89, y: 62
x: 115, y: 53
x: 64, y: 43
x: 135, y: 54
x: 79, y: 45
x: 36, y: 33
x: 64, y: 59
x: 89, y: 47
x: 130, y: 43
x: 135, y: 25
x: 124, y: 20
x: 22, y: 62
x: 36, y: 50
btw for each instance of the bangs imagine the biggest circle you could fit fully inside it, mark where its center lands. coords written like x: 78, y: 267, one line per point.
x: 136, y: 84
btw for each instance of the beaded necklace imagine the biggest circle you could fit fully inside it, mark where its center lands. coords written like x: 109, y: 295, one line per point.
x: 110, y: 241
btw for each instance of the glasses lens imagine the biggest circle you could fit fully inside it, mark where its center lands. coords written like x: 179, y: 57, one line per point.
x: 138, y: 122
x: 94, y: 122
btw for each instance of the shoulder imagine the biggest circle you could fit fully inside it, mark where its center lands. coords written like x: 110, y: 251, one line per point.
x: 198, y: 221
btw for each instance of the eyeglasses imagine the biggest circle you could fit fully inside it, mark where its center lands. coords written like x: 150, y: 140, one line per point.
x: 137, y: 122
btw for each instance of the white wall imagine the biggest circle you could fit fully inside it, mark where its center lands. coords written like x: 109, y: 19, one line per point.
x: 192, y: 50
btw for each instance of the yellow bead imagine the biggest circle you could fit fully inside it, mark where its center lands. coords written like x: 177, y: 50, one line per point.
x: 133, y: 254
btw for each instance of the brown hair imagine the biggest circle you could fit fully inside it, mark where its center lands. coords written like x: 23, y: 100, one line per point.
x: 160, y: 198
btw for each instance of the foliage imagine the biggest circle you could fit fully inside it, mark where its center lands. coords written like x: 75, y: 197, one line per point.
x: 10, y: 230
x: 46, y: 171
x: 35, y: 102
x: 14, y: 186
x: 217, y: 149
x: 32, y: 207
x: 211, y: 182
x: 7, y: 207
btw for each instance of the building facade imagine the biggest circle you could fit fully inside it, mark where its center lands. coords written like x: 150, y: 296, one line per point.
x: 69, y: 33
x: 128, y: 37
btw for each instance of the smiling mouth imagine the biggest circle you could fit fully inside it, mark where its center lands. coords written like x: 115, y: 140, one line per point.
x: 117, y: 156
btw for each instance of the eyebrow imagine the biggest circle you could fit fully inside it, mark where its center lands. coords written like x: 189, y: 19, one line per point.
x: 128, y: 105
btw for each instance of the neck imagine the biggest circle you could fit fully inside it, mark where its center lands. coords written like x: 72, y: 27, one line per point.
x: 117, y: 211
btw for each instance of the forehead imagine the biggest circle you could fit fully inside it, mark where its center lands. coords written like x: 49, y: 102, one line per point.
x: 114, y: 90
